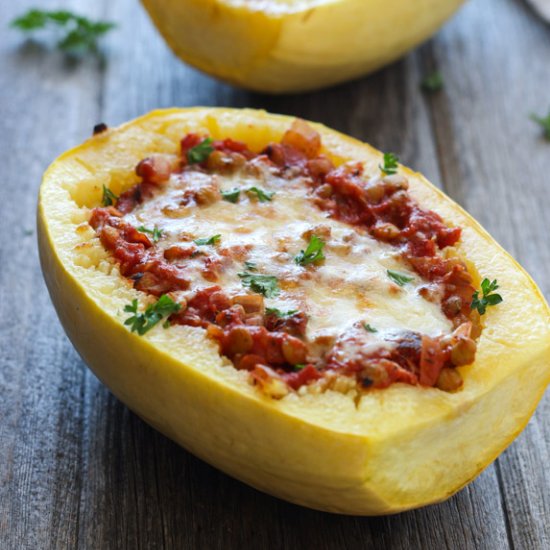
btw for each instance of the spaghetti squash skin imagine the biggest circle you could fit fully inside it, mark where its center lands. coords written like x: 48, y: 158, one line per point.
x: 392, y: 450
x: 281, y: 46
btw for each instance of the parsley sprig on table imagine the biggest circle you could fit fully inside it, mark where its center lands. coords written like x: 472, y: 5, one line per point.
x: 262, y: 284
x: 80, y: 33
x: 313, y: 253
x: 201, y: 152
x: 155, y: 233
x: 544, y: 123
x: 399, y: 278
x: 391, y: 164
x: 144, y: 322
x: 214, y: 239
x: 109, y: 198
x: 488, y: 298
x: 433, y: 82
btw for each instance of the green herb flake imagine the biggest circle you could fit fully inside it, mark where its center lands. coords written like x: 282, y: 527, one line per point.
x: 489, y: 297
x: 232, y: 195
x: 201, y: 152
x: 544, y: 123
x: 80, y: 33
x: 299, y: 367
x: 433, y: 82
x: 250, y: 266
x: 261, y: 194
x: 262, y: 284
x: 279, y: 313
x: 214, y: 239
x: 391, y: 164
x: 369, y: 328
x: 313, y: 253
x: 153, y: 314
x: 109, y: 198
x: 155, y: 233
x: 399, y: 278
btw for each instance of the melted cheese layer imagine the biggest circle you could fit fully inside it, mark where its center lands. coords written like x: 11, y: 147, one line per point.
x: 351, y: 285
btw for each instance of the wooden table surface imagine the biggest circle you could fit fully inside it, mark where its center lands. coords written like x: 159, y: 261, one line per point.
x: 77, y: 469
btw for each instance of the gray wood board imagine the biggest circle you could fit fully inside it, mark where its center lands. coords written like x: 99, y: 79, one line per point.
x: 77, y: 469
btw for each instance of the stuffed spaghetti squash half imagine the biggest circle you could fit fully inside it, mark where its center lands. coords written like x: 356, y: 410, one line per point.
x: 292, y: 306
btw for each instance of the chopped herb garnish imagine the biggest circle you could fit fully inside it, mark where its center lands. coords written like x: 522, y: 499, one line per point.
x: 109, y: 198
x: 299, y: 367
x: 143, y: 322
x: 200, y: 152
x: 80, y: 33
x: 250, y: 266
x: 232, y: 195
x: 433, y: 82
x: 544, y: 123
x: 261, y: 194
x: 262, y: 284
x: 489, y: 298
x: 390, y: 166
x: 398, y: 278
x: 155, y: 233
x: 279, y: 313
x: 369, y: 328
x: 214, y: 239
x: 313, y: 253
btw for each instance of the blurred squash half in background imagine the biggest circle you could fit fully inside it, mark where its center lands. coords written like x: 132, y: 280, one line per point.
x: 280, y: 46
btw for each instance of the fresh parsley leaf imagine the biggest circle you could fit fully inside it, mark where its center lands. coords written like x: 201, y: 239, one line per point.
x: 261, y: 194
x: 279, y: 313
x: 313, y: 253
x: 369, y: 328
x: 544, y: 123
x: 262, y: 284
x: 232, y: 195
x: 109, y: 198
x: 250, y: 266
x: 200, y: 152
x: 154, y: 313
x: 489, y: 298
x: 433, y: 82
x: 398, y: 278
x: 155, y: 233
x: 214, y: 239
x: 390, y: 166
x: 81, y: 34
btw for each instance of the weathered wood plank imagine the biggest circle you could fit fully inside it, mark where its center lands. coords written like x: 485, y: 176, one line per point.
x: 46, y: 104
x: 497, y: 73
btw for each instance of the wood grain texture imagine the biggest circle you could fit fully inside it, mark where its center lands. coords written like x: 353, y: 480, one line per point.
x: 77, y: 469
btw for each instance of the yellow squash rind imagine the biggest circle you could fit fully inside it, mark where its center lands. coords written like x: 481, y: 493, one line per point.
x: 399, y: 448
x: 288, y: 46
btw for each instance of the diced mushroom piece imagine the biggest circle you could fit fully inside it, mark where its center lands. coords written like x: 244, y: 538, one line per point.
x: 251, y: 303
x: 156, y: 168
x: 238, y: 340
x: 268, y: 382
x: 322, y: 231
x: 449, y: 380
x: 385, y: 231
x: 303, y: 137
x: 294, y: 350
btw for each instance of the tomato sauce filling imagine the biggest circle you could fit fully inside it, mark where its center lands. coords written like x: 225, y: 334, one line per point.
x: 271, y: 346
